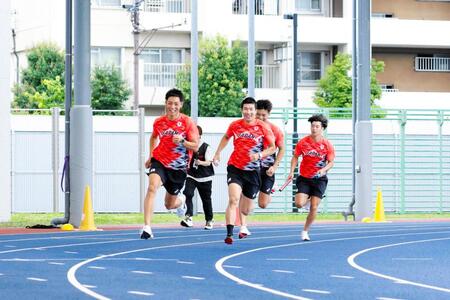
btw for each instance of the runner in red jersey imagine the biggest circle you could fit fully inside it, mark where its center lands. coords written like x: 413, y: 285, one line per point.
x: 252, y: 140
x: 168, y: 161
x: 268, y: 165
x: 318, y: 157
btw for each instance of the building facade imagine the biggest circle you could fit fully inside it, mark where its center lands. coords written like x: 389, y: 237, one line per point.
x: 410, y: 36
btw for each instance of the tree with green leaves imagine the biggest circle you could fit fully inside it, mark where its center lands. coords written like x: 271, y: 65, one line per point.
x: 42, y: 84
x: 222, y: 76
x: 109, y: 90
x: 45, y: 68
x: 335, y: 87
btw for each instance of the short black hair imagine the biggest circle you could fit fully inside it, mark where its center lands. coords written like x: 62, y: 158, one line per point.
x: 264, y: 104
x: 319, y: 118
x: 200, y: 130
x: 175, y: 93
x: 248, y: 100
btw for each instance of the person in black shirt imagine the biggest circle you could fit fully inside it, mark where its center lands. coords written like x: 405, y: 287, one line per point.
x: 199, y: 176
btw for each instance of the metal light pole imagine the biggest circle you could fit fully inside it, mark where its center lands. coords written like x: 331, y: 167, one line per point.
x: 251, y: 49
x: 294, y: 18
x: 194, y: 61
x: 363, y: 126
x: 5, y: 112
x: 67, y: 108
x: 81, y: 131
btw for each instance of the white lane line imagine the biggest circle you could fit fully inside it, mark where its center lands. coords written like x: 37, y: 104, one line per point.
x: 232, y: 267
x: 342, y: 276
x: 351, y: 261
x: 142, y: 272
x: 56, y: 263
x: 283, y: 271
x: 156, y: 259
x: 221, y: 270
x: 1, y: 274
x: 185, y: 262
x: 40, y: 249
x: 385, y: 298
x: 193, y: 277
x: 10, y: 246
x: 90, y: 286
x: 140, y: 293
x: 97, y: 268
x: 412, y: 258
x: 287, y: 259
x: 71, y: 252
x: 36, y: 279
x: 316, y: 291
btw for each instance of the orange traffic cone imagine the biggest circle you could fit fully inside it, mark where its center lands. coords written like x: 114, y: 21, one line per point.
x: 87, y: 221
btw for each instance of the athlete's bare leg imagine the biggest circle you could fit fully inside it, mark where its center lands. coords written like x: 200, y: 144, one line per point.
x: 315, y: 201
x: 154, y: 183
x: 234, y: 194
x: 264, y: 199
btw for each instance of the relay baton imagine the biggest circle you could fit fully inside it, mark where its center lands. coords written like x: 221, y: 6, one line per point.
x: 285, y: 184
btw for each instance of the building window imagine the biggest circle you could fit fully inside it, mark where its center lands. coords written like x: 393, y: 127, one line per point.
x: 106, y: 2
x: 105, y: 56
x: 161, y: 66
x: 382, y: 15
x: 311, y: 66
x: 167, y: 6
x: 432, y: 63
x: 308, y: 5
x: 388, y: 88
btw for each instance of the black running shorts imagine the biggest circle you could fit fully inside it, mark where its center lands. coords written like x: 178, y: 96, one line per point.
x: 312, y: 186
x: 249, y: 181
x: 172, y: 180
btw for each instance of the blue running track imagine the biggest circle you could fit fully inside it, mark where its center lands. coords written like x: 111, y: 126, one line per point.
x: 404, y: 260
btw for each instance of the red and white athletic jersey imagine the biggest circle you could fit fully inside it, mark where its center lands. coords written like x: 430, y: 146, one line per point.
x: 315, y: 155
x: 171, y: 155
x: 248, y: 139
x: 268, y: 161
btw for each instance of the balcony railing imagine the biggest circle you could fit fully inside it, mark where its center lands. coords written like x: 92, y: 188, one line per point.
x: 161, y: 75
x: 432, y: 64
x: 262, y: 7
x: 268, y: 77
x: 165, y: 75
x: 168, y: 6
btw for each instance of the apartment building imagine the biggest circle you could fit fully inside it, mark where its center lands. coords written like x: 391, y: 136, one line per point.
x: 410, y: 36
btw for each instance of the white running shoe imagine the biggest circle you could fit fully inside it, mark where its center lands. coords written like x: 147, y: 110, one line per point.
x: 305, y: 236
x: 209, y: 225
x: 187, y: 222
x: 146, y: 232
x: 244, y: 232
x: 181, y: 210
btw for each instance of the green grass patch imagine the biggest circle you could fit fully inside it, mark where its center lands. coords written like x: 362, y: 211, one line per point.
x: 101, y: 219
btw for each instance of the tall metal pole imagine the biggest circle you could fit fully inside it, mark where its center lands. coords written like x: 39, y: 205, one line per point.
x: 67, y: 108
x: 194, y: 60
x: 363, y: 128
x: 5, y: 112
x: 81, y: 161
x: 295, y: 75
x: 135, y: 23
x: 251, y: 48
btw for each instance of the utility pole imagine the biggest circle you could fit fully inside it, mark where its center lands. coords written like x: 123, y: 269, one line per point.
x: 134, y: 17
